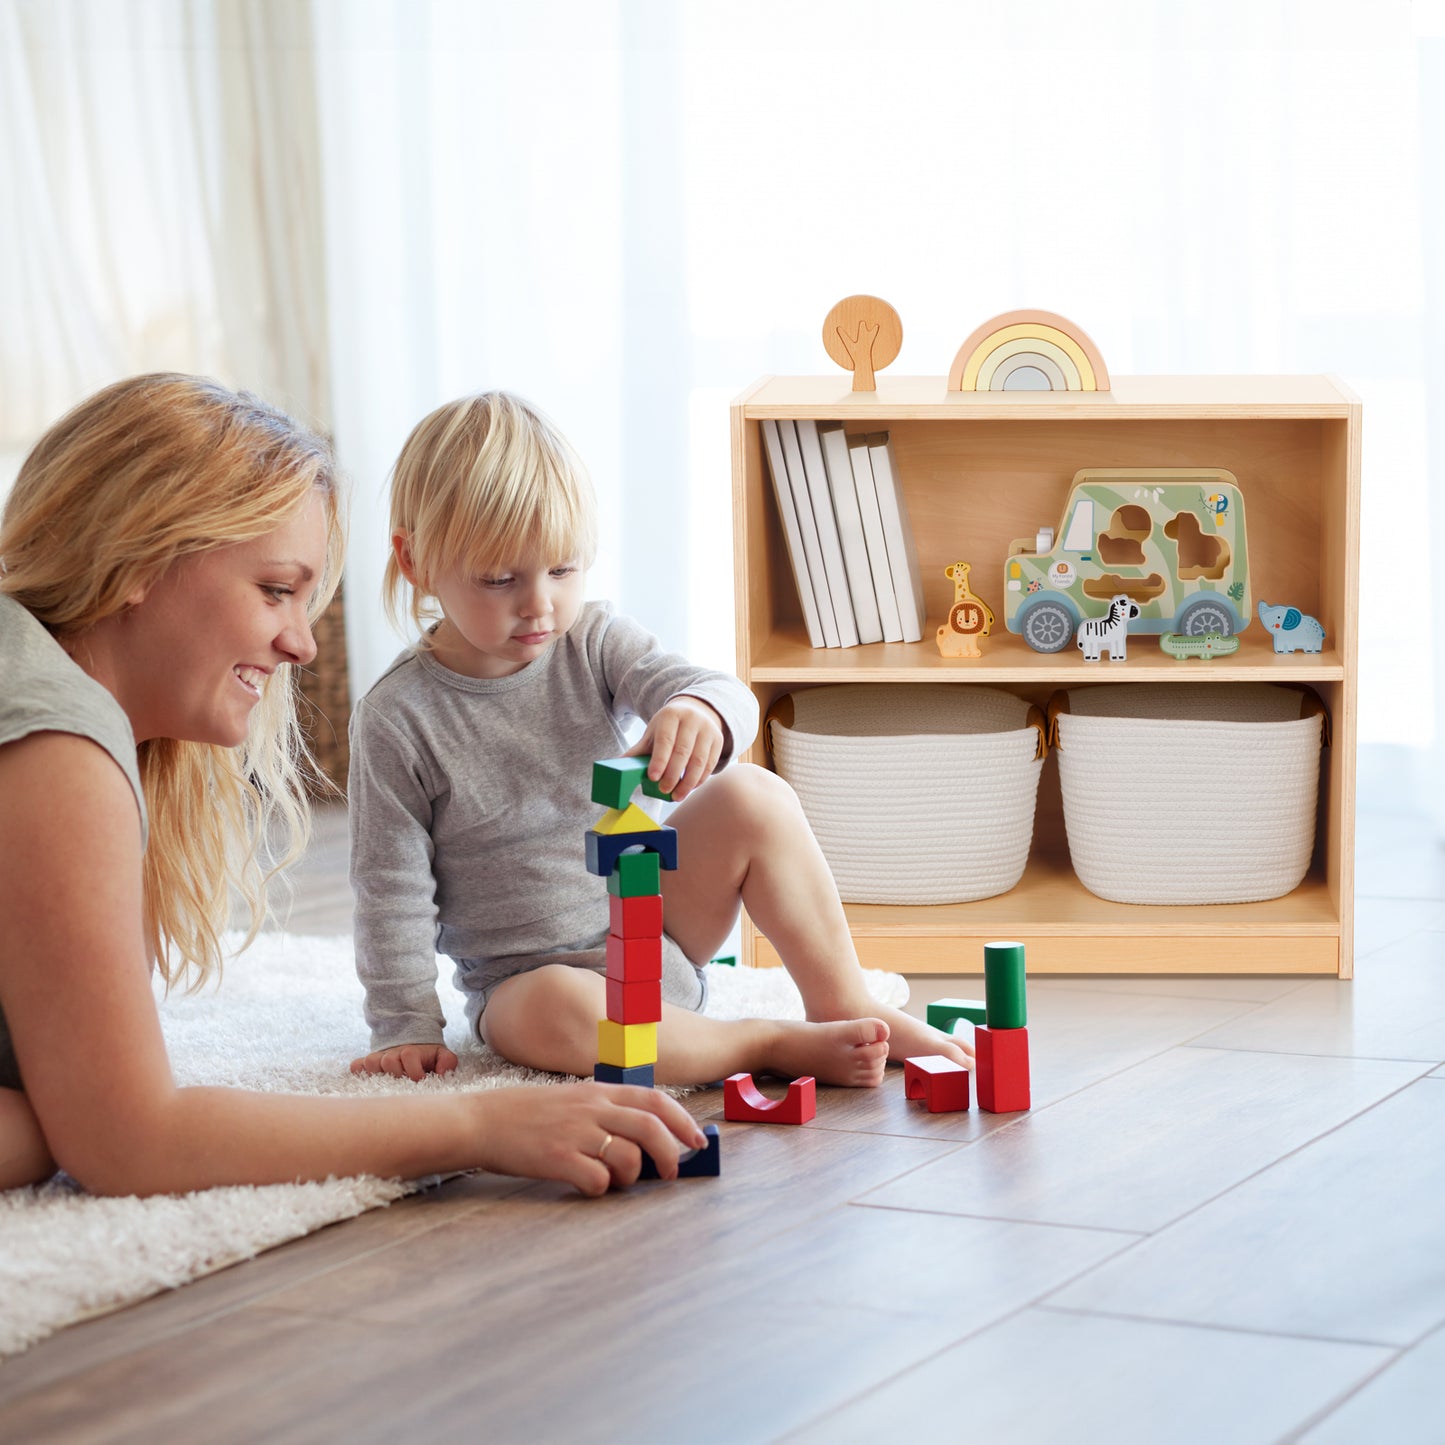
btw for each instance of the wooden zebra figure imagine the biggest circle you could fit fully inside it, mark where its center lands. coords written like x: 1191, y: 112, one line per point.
x: 1110, y: 631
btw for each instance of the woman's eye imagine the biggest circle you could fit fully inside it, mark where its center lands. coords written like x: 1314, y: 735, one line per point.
x: 276, y: 592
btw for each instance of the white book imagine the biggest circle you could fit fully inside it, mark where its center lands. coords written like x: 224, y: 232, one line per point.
x: 783, y: 491
x: 817, y: 479
x: 898, y: 535
x: 873, y: 536
x: 850, y: 530
x: 808, y: 526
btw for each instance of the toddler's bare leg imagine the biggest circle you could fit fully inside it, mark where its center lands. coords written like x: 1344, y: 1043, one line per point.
x: 547, y: 1019
x: 24, y: 1155
x: 743, y: 840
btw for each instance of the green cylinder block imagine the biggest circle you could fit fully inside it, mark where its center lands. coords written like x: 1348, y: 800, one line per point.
x: 1003, y: 985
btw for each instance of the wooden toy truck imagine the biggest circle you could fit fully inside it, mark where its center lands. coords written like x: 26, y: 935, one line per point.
x: 1171, y: 538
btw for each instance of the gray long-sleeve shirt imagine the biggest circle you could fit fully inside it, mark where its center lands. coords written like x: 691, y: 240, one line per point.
x: 469, y: 799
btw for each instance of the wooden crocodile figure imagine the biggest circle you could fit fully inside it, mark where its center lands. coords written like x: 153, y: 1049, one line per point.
x: 1206, y: 645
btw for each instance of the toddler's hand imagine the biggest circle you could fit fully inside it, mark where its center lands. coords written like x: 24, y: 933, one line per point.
x: 411, y: 1061
x: 685, y: 739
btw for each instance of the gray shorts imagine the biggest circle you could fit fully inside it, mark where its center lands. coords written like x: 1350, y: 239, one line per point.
x: 683, y: 982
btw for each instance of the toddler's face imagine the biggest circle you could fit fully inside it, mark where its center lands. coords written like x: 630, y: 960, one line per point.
x: 497, y: 620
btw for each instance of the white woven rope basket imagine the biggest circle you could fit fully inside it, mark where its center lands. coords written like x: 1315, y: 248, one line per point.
x: 1189, y: 793
x: 918, y: 794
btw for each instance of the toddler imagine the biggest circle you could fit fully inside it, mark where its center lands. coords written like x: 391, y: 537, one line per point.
x: 470, y: 792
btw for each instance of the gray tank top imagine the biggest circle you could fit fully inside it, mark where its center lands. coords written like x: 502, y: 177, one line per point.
x: 42, y: 690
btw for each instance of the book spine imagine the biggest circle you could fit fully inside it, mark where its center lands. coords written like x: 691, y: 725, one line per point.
x: 808, y: 525
x: 850, y: 530
x: 902, y: 549
x: 792, y: 533
x: 817, y: 480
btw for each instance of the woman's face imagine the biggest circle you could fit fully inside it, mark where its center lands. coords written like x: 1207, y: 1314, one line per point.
x: 202, y: 644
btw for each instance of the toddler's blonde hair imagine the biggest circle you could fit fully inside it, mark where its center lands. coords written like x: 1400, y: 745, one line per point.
x: 484, y: 482
x: 143, y: 473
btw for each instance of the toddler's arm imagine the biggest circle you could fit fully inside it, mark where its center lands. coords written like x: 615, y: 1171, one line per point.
x: 390, y: 804
x: 697, y: 706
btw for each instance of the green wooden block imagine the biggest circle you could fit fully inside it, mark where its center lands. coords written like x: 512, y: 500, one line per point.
x: 1003, y: 985
x: 614, y: 780
x: 943, y: 1013
x: 730, y: 959
x: 635, y: 875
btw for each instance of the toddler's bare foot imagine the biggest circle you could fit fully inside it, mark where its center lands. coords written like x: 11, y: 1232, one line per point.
x: 909, y: 1037
x: 851, y: 1052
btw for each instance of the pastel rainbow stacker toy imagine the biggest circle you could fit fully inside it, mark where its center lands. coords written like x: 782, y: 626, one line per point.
x: 1028, y: 351
x: 629, y: 849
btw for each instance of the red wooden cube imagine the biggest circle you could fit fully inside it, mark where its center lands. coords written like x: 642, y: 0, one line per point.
x: 1001, y: 1061
x: 634, y: 1002
x: 636, y: 917
x: 632, y: 959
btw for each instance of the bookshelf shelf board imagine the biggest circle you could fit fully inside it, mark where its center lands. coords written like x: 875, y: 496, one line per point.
x: 785, y: 656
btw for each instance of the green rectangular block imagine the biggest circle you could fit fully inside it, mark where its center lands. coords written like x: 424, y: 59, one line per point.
x: 634, y: 875
x: 1003, y: 985
x: 943, y: 1013
x: 614, y: 780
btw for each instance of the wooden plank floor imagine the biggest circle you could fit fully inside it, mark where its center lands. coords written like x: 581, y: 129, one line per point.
x: 1221, y: 1221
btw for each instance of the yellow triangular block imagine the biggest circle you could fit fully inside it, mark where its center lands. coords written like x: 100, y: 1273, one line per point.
x: 630, y: 819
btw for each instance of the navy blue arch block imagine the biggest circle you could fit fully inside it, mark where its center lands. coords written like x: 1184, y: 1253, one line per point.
x: 704, y: 1163
x: 640, y: 1074
x: 604, y: 849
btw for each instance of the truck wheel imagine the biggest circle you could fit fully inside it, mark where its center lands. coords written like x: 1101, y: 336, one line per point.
x: 1048, y: 627
x: 1205, y: 614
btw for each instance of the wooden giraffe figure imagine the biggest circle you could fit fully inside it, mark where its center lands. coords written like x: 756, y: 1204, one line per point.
x: 969, y: 618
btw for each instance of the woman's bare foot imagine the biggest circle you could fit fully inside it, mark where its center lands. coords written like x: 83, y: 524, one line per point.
x: 909, y: 1037
x: 851, y: 1052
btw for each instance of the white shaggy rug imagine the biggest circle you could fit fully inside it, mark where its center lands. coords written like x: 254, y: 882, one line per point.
x: 287, y: 1019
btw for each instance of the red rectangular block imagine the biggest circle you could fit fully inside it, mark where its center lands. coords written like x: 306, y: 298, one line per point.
x: 633, y: 959
x: 1001, y: 1069
x: 636, y: 917
x: 634, y: 1003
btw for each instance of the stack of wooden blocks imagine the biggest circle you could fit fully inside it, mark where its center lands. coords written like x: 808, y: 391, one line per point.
x: 1000, y: 1036
x: 629, y: 849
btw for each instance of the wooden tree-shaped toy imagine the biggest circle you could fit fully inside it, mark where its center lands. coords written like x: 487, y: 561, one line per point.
x: 862, y: 334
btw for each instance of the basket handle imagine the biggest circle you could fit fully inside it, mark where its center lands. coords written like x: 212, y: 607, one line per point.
x: 1314, y: 707
x: 1036, y: 720
x: 1058, y: 703
x: 780, y: 711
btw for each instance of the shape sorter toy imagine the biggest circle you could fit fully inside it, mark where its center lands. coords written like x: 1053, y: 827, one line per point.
x: 629, y: 849
x: 1000, y: 1035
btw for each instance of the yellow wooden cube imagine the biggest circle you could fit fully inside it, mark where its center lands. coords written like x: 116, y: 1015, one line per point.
x: 626, y: 1045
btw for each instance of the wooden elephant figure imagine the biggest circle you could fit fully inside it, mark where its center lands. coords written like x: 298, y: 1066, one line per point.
x: 1292, y: 630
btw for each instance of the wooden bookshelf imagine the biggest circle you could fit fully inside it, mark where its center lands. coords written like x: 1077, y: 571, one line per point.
x: 982, y: 468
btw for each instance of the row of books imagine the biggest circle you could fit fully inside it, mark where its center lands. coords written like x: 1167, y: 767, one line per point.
x: 849, y: 538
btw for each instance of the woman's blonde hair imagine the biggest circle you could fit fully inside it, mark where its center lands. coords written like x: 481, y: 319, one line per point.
x: 141, y: 474
x: 484, y: 482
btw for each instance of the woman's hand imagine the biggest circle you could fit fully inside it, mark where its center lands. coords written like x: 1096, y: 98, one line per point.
x: 592, y: 1136
x: 685, y: 738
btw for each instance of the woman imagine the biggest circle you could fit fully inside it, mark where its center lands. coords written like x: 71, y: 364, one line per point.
x: 163, y: 554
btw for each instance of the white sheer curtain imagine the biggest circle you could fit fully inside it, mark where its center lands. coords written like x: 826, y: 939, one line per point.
x: 159, y: 163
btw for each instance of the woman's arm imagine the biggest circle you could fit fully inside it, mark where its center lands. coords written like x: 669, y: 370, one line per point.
x: 75, y: 988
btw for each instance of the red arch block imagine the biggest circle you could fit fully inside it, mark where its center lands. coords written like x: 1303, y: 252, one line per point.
x: 744, y: 1103
x: 939, y: 1082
